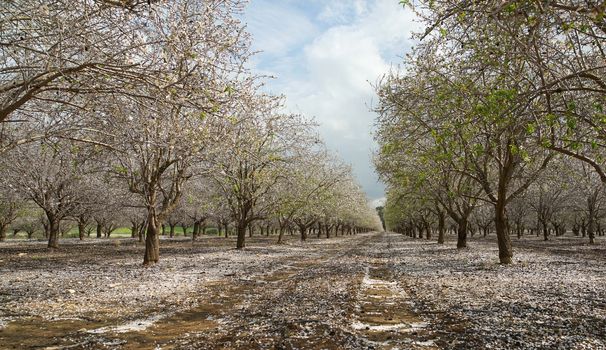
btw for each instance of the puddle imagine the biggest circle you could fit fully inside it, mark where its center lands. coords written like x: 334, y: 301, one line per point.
x: 403, y: 327
x: 287, y: 271
x: 281, y: 274
x: 132, y: 326
x: 384, y: 317
x: 170, y: 332
x: 220, y: 311
x: 159, y: 330
x: 430, y: 342
x: 36, y: 332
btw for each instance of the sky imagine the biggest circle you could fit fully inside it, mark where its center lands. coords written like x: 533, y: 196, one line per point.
x: 326, y: 55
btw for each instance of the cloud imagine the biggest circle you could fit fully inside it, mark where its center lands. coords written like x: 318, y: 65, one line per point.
x: 342, y: 11
x: 378, y: 202
x: 278, y: 28
x: 330, y: 75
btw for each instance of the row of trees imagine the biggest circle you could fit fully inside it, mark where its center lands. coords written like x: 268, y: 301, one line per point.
x: 564, y: 198
x: 147, y: 108
x: 316, y: 192
x: 501, y: 106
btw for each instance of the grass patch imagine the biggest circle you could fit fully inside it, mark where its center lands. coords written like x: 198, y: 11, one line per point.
x: 120, y: 232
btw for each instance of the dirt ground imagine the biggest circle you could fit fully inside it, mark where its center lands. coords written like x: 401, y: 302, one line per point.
x: 369, y: 291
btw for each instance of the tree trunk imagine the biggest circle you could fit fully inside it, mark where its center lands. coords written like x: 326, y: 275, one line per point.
x: 545, y: 231
x: 591, y: 206
x: 53, y: 233
x: 226, y: 230
x: 152, y: 242
x: 462, y: 233
x: 281, y: 234
x: 142, y: 231
x: 503, y: 239
x: 303, y: 231
x: 99, y: 230
x: 194, y: 234
x: 241, y: 235
x: 583, y: 229
x: 134, y: 230
x: 47, y: 229
x: 441, y: 221
x: 81, y: 229
x: 172, y: 230
x: 3, y: 232
x: 591, y: 228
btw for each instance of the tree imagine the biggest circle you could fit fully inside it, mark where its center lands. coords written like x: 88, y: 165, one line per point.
x: 310, y: 193
x: 589, y: 197
x: 262, y: 141
x: 547, y: 198
x: 199, y: 203
x: 52, y: 173
x: 470, y: 94
x: 28, y: 220
x: 203, y: 60
x: 71, y: 54
x: 10, y: 205
x: 381, y: 212
x: 558, y: 44
x: 411, y: 150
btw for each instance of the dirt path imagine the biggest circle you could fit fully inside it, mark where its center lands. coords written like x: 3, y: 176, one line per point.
x: 371, y: 291
x: 333, y: 294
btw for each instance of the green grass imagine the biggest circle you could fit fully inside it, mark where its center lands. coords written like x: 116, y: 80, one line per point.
x: 212, y: 231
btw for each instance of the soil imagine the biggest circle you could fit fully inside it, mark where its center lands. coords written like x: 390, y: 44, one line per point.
x: 368, y: 291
